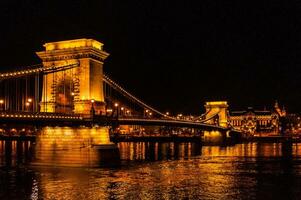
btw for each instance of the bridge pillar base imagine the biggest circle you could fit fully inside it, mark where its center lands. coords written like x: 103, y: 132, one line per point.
x: 213, y: 137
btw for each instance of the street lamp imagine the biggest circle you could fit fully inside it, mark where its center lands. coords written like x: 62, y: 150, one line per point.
x: 72, y: 99
x: 179, y: 116
x: 92, y: 108
x: 2, y: 104
x: 109, y: 112
x: 116, y: 108
x: 29, y: 101
x: 27, y: 104
x: 145, y: 114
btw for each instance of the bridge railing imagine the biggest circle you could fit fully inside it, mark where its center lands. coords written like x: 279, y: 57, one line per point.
x: 161, y: 119
x: 39, y: 115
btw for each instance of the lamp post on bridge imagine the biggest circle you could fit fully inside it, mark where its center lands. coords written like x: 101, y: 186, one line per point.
x: 116, y: 105
x: 146, y: 113
x: 29, y: 102
x: 72, y: 100
x: 109, y: 112
x: 92, y: 111
x: 2, y: 104
x: 180, y: 116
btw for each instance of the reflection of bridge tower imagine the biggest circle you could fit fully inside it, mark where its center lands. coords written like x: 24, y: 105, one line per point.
x: 73, y: 90
x: 217, y: 111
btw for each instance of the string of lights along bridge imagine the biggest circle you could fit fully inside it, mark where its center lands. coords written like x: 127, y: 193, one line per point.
x: 70, y: 85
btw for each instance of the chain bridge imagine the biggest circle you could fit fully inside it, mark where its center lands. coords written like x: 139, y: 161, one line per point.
x: 70, y: 88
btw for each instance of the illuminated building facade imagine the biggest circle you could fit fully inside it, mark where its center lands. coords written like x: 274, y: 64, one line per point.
x: 257, y: 122
x: 292, y: 124
x: 76, y: 89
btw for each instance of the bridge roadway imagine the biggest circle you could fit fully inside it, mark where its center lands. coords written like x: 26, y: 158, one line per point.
x: 168, y: 122
x: 59, y: 119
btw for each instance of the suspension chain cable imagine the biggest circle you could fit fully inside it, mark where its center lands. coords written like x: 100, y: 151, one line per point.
x: 113, y: 84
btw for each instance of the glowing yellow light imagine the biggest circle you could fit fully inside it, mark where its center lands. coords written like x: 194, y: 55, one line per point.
x: 29, y: 100
x: 1, y: 101
x: 122, y: 108
x: 213, y: 103
x: 70, y: 44
x: 27, y: 103
x: 116, y: 104
x: 92, y: 100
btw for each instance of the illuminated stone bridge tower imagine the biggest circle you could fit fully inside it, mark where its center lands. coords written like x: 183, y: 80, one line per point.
x: 216, y: 114
x: 76, y: 89
x: 217, y: 111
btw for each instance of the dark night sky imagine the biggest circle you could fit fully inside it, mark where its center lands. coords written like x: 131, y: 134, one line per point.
x: 175, y: 55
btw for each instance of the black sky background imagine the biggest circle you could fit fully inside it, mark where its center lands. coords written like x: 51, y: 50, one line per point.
x: 176, y: 54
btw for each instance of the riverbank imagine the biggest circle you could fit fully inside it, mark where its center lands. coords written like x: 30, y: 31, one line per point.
x: 272, y: 139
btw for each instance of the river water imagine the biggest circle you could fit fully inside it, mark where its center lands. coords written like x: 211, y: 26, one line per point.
x: 64, y: 170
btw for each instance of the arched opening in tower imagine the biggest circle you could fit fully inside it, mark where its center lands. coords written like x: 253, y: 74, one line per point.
x: 64, y: 96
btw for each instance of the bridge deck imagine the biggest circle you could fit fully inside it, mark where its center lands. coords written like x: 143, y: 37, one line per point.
x: 76, y: 119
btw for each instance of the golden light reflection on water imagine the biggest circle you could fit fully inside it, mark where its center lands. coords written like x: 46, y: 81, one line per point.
x: 251, y: 150
x: 181, y: 171
x: 219, y: 173
x: 13, y: 153
x: 157, y: 150
x: 68, y: 146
